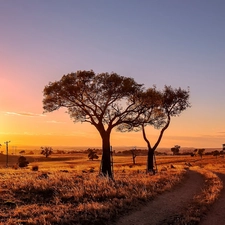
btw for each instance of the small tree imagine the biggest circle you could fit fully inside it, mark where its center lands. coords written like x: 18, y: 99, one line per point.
x: 22, y: 161
x: 199, y: 152
x: 175, y: 150
x: 216, y: 153
x: 92, y: 154
x: 46, y: 151
x: 134, y: 155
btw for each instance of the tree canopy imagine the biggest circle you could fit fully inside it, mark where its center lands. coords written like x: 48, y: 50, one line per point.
x: 158, y: 106
x: 108, y: 100
x: 175, y: 150
x: 99, y: 99
x: 104, y: 100
x: 173, y: 102
x: 46, y: 151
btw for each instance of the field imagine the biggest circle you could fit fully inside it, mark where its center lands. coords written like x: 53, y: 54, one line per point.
x: 67, y: 189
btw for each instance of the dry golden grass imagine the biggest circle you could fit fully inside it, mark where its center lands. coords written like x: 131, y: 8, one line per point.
x: 70, y: 191
x: 201, y: 203
x: 75, y: 197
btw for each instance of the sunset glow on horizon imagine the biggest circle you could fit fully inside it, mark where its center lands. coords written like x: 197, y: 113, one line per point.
x: 157, y: 43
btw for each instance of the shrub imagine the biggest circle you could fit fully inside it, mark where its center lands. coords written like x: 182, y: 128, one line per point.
x: 46, y: 151
x: 22, y: 161
x: 35, y: 168
x: 175, y: 150
x: 92, y: 154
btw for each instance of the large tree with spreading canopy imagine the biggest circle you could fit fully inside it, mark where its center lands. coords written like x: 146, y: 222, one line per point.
x: 104, y: 100
x: 157, y: 109
x: 172, y: 102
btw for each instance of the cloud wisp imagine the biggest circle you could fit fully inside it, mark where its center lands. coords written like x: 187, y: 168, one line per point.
x: 54, y: 121
x: 29, y: 114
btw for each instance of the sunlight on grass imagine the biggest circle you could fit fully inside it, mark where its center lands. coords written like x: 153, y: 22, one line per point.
x: 72, y: 192
x: 69, y: 197
x: 201, y: 201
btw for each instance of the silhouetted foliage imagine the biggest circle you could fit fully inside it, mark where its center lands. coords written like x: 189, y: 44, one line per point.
x: 22, y: 161
x: 104, y: 100
x: 92, y: 154
x: 46, y: 151
x: 35, y: 168
x: 60, y: 152
x: 22, y: 152
x: 139, y: 152
x: 216, y: 153
x: 158, y: 109
x: 175, y: 150
x: 199, y: 152
x: 134, y: 155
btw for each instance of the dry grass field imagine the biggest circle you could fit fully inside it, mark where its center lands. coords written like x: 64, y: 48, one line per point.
x: 67, y: 189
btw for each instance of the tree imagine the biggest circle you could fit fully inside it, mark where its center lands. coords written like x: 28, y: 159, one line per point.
x: 199, y: 152
x: 22, y: 161
x: 134, y: 154
x: 158, y: 108
x: 175, y: 150
x: 104, y: 100
x: 171, y: 103
x: 46, y: 151
x: 216, y: 153
x: 92, y: 154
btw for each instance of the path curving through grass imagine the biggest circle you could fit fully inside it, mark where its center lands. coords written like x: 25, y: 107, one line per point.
x: 166, y: 205
x: 216, y: 215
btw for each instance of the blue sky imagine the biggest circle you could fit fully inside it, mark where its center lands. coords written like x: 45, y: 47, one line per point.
x: 177, y: 43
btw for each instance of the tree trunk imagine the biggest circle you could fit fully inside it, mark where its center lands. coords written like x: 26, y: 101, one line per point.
x: 106, y: 155
x: 150, y: 162
x: 150, y: 159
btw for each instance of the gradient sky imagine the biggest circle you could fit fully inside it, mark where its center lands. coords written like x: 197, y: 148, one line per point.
x: 163, y: 42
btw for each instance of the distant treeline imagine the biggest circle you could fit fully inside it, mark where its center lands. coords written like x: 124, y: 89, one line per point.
x: 138, y: 152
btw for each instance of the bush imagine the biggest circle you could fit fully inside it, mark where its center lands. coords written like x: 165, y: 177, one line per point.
x: 46, y: 151
x: 22, y: 161
x: 92, y: 154
x: 35, y: 168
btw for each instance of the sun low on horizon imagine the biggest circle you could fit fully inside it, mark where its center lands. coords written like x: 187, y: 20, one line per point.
x: 58, y: 129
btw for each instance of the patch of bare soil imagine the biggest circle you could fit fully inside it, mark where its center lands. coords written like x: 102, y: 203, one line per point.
x: 216, y: 215
x: 166, y: 205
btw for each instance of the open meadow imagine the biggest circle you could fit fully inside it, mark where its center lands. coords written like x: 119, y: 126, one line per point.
x: 68, y: 189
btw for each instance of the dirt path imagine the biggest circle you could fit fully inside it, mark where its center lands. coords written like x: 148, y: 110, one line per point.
x: 216, y: 215
x: 166, y: 205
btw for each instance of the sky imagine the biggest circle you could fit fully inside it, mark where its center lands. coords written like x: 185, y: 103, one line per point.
x: 156, y: 42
